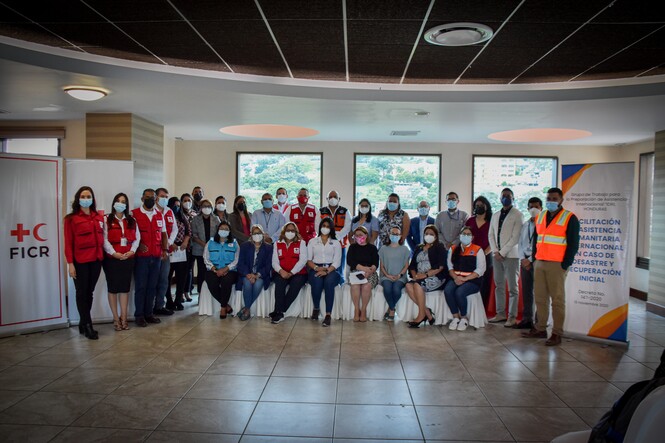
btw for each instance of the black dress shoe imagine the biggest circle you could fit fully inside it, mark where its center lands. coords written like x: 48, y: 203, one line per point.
x: 162, y: 311
x: 89, y: 332
x: 524, y: 325
x: 152, y: 319
x: 179, y: 307
x: 81, y: 331
x: 140, y: 322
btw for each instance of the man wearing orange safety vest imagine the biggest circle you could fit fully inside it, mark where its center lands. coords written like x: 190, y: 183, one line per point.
x: 554, y: 248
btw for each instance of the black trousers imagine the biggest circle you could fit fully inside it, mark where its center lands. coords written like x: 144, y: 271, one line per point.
x: 221, y: 287
x: 200, y: 272
x: 189, y: 285
x: 180, y: 270
x: 286, y: 290
x: 87, y: 275
x: 486, y: 286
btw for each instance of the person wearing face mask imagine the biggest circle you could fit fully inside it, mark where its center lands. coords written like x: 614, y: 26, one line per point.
x: 466, y: 264
x: 480, y: 228
x: 221, y: 258
x: 417, y: 225
x: 240, y: 220
x: 525, y: 252
x: 179, y: 268
x: 304, y: 215
x: 366, y: 219
x: 197, y: 193
x: 394, y: 260
x: 342, y: 220
x: 282, y: 204
x: 152, y: 250
x: 186, y: 204
x: 324, y: 254
x: 504, y: 235
x: 270, y: 220
x: 428, y: 270
x: 393, y: 215
x: 164, y: 285
x: 220, y: 209
x: 289, y: 257
x: 254, y: 269
x: 84, y: 242
x: 121, y: 240
x: 204, y: 227
x: 554, y: 247
x: 363, y: 257
x: 450, y: 222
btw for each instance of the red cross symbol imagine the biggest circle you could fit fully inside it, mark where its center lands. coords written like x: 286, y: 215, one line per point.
x: 19, y: 232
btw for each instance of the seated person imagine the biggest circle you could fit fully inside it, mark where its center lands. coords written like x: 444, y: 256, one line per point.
x: 289, y: 257
x: 220, y: 256
x: 394, y: 259
x: 324, y: 254
x: 363, y: 261
x: 254, y: 269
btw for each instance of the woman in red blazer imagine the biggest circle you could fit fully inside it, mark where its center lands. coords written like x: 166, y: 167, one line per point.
x: 84, y: 243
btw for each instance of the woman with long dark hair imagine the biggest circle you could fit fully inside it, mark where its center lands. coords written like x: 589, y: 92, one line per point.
x: 324, y: 255
x: 393, y: 215
x: 367, y: 219
x: 186, y: 206
x: 241, y: 222
x: 121, y: 240
x: 180, y: 268
x: 480, y: 228
x: 221, y: 258
x: 84, y: 251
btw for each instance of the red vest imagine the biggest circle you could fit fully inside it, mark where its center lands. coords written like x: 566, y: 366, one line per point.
x: 84, y: 237
x: 289, y: 255
x: 305, y: 222
x: 169, y: 218
x: 115, y: 235
x: 151, y: 232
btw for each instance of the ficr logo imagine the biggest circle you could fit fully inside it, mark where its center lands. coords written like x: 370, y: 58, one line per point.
x: 21, y: 234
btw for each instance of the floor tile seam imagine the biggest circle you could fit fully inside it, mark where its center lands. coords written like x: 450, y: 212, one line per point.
x: 618, y: 363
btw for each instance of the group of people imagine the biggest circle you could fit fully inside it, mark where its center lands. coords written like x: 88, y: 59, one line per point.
x: 291, y: 244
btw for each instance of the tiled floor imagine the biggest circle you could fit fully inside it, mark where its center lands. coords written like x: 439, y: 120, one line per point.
x: 203, y: 379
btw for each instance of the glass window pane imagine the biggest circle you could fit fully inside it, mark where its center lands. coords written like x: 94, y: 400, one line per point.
x: 34, y: 146
x: 260, y: 173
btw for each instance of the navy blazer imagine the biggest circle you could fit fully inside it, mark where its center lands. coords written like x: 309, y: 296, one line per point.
x: 246, y: 263
x: 413, y: 239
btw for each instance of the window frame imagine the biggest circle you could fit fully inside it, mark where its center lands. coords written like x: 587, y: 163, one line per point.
x: 3, y: 145
x: 641, y: 262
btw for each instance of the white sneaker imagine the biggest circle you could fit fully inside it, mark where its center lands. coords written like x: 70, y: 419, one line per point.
x: 510, y: 323
x: 463, y: 323
x: 453, y: 324
x: 497, y: 319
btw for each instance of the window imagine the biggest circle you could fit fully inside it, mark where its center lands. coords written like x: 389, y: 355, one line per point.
x: 33, y: 146
x: 645, y: 209
x: 259, y: 173
x: 412, y: 177
x: 526, y: 176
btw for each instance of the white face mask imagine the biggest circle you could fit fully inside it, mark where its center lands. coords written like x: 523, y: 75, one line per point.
x: 325, y: 231
x: 206, y: 210
x: 290, y: 235
x: 281, y: 198
x: 535, y: 212
x: 363, y: 209
x: 257, y: 237
x: 333, y: 201
x: 429, y: 238
x: 223, y: 233
x: 221, y: 207
x: 187, y: 205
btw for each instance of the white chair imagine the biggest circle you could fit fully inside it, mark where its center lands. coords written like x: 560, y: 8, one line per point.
x: 407, y: 310
x: 307, y: 304
x: 376, y: 307
x: 207, y: 304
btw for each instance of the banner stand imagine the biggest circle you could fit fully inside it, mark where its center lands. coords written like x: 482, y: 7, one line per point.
x: 602, y: 341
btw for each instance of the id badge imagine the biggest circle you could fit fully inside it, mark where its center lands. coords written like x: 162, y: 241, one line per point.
x: 123, y: 242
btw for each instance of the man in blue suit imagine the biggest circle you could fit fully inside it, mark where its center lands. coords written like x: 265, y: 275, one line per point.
x: 418, y: 224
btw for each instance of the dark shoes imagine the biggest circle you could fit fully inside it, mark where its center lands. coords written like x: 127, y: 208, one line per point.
x: 152, y: 319
x: 277, y: 318
x: 89, y: 332
x: 534, y: 333
x: 162, y: 311
x: 326, y: 321
x: 244, y: 314
x: 315, y: 314
x: 524, y: 325
x: 140, y: 322
x: 179, y: 307
x: 554, y: 340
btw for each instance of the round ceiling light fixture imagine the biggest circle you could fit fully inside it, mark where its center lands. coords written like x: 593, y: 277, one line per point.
x: 86, y: 93
x: 539, y: 135
x: 458, y: 34
x: 269, y: 131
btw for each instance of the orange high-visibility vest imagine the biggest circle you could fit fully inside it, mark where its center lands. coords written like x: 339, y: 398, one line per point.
x: 551, y: 243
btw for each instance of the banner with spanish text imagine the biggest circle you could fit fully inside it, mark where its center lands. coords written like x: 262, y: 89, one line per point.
x: 598, y: 282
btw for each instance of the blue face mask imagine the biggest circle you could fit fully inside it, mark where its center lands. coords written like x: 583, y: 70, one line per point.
x: 394, y: 238
x: 452, y: 204
x: 267, y: 204
x: 506, y: 201
x: 552, y: 206
x: 423, y: 211
x: 163, y: 201
x: 85, y: 202
x: 223, y: 233
x: 119, y: 207
x: 392, y: 206
x: 465, y: 239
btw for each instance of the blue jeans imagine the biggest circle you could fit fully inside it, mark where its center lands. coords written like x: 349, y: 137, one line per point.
x: 392, y: 291
x: 318, y: 284
x: 456, y: 296
x: 163, y: 283
x: 250, y: 292
x: 146, y: 275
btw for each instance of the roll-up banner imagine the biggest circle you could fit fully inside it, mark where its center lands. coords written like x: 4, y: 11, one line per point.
x: 32, y: 295
x: 598, y: 282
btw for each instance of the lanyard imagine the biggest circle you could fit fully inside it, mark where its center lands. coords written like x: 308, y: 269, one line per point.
x: 267, y: 218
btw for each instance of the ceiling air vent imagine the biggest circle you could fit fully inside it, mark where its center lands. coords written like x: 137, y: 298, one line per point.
x: 405, y: 133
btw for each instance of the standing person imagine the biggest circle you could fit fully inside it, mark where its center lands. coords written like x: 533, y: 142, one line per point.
x: 186, y: 205
x: 289, y: 257
x: 220, y: 209
x: 121, y: 240
x: 393, y: 215
x: 480, y: 228
x: 394, y: 260
x: 84, y: 251
x: 466, y: 264
x: 449, y: 223
x: 164, y: 284
x: 204, y: 227
x: 363, y: 258
x: 282, y: 204
x: 197, y: 193
x: 342, y: 220
x: 555, y: 247
x: 525, y: 251
x: 152, y: 249
x: 304, y: 215
x: 221, y: 258
x: 504, y: 235
x: 254, y: 270
x: 428, y: 271
x: 180, y: 269
x: 270, y: 220
x: 240, y: 220
x: 417, y: 225
x: 366, y: 219
x: 324, y: 254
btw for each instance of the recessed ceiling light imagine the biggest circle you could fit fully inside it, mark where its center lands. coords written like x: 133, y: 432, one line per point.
x: 458, y: 34
x: 421, y: 113
x: 269, y: 131
x: 539, y: 135
x: 86, y: 93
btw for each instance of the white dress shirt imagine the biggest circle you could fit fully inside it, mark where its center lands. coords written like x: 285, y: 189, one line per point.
x: 320, y: 253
